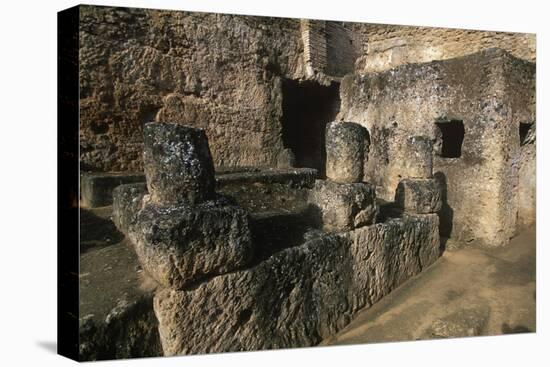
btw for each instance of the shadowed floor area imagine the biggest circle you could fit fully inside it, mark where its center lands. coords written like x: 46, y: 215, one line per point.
x: 467, y: 292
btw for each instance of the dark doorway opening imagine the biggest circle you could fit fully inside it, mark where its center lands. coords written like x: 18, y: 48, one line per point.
x: 307, y: 108
x: 523, y: 131
x: 452, y: 136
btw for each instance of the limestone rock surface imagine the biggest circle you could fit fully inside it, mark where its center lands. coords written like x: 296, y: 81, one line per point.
x: 419, y: 196
x: 179, y: 245
x: 341, y: 207
x: 346, y: 147
x: 299, y: 295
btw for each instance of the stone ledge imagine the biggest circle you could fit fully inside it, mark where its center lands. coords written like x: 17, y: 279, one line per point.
x: 300, y: 295
x: 96, y: 189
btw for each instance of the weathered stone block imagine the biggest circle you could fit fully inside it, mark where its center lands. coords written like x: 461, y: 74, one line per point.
x: 179, y: 245
x: 346, y: 147
x: 96, y: 189
x: 342, y: 207
x: 300, y: 295
x: 178, y: 164
x: 418, y: 161
x: 127, y: 201
x: 419, y: 195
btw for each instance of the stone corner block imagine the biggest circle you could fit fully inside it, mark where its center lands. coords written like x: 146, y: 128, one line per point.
x: 420, y: 196
x: 180, y: 245
x: 343, y: 207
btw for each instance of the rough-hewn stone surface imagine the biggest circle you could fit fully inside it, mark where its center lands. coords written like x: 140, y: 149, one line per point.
x: 96, y: 189
x: 491, y: 92
x: 129, y: 331
x: 215, y: 71
x: 178, y: 164
x: 527, y: 185
x: 342, y: 207
x: 180, y: 245
x: 419, y: 162
x: 127, y: 202
x: 383, y: 47
x: 347, y: 146
x: 419, y: 196
x: 295, y: 177
x: 300, y: 295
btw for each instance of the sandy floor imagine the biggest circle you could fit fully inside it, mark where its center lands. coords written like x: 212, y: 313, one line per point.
x: 467, y: 292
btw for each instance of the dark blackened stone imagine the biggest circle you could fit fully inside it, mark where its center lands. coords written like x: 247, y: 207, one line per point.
x: 127, y: 201
x: 178, y: 164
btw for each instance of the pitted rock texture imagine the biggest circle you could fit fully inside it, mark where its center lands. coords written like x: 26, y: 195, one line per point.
x: 387, y: 46
x: 419, y: 153
x: 178, y: 164
x: 127, y: 202
x: 300, y: 295
x: 223, y: 73
x: 342, y: 207
x: 347, y: 147
x: 527, y: 186
x: 219, y: 72
x: 180, y: 245
x: 420, y: 196
x: 491, y: 93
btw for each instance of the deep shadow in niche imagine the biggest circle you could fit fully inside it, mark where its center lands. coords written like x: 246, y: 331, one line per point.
x: 446, y: 213
x: 452, y: 136
x: 307, y: 107
x: 523, y: 131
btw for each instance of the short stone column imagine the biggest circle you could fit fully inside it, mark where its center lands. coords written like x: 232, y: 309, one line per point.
x: 418, y: 159
x: 346, y: 147
x: 182, y: 231
x: 178, y: 164
x: 421, y: 196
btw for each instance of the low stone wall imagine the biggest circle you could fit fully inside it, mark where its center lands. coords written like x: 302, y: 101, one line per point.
x: 222, y: 290
x: 299, y: 296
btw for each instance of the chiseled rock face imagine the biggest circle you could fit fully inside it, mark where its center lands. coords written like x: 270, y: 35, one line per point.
x: 420, y: 196
x: 300, y: 295
x: 127, y: 201
x: 220, y: 72
x: 490, y: 93
x: 178, y: 164
x: 419, y: 162
x: 179, y: 245
x: 347, y: 147
x: 342, y: 207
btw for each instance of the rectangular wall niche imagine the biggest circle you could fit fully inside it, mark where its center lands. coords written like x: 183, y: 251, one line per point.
x: 450, y: 137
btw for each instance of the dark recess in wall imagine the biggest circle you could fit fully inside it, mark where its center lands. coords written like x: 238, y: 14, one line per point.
x: 452, y: 134
x: 307, y: 108
x: 523, y: 131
